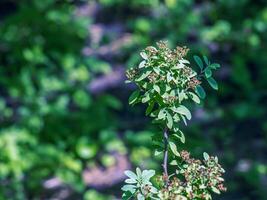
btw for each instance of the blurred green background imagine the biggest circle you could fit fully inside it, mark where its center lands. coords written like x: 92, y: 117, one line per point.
x: 66, y: 130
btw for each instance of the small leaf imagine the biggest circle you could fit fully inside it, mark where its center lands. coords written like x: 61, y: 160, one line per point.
x: 138, y: 172
x: 213, y: 83
x: 142, y: 64
x: 200, y: 91
x: 148, y: 174
x: 173, y: 162
x: 156, y: 88
x: 130, y: 188
x: 206, y: 60
x: 215, y: 66
x: 169, y: 121
x: 183, y: 111
x: 161, y: 114
x: 215, y: 190
x: 181, y: 136
x: 206, y: 156
x: 157, y: 152
x: 208, y: 72
x: 130, y: 174
x: 143, y: 76
x: 134, y: 96
x: 127, y: 195
x: 150, y: 108
x: 143, y: 55
x: 130, y: 181
x: 199, y: 62
x: 194, y: 97
x: 140, y: 197
x: 174, y: 149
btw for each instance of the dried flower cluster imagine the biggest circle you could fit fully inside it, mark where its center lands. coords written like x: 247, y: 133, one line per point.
x: 195, y: 179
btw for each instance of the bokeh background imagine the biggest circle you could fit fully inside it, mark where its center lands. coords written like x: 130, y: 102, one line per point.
x: 66, y: 130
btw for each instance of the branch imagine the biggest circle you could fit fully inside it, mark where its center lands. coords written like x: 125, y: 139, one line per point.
x: 165, y: 159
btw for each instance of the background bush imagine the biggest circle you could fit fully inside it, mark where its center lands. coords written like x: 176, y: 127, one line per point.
x: 63, y: 100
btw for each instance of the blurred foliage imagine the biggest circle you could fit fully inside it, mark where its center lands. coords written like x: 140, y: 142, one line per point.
x: 52, y: 125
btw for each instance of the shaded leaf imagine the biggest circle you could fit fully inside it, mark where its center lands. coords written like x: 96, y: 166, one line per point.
x: 213, y: 83
x: 199, y: 62
x: 134, y: 96
x: 200, y: 91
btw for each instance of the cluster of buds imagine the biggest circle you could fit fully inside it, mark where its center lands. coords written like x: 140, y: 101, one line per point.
x: 131, y: 73
x: 181, y: 52
x: 170, y: 99
x: 151, y: 51
x: 193, y: 82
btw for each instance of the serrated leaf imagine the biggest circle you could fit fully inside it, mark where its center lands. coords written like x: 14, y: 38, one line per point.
x: 174, y: 149
x: 199, y: 62
x: 200, y: 91
x: 134, y: 96
x: 194, y: 97
x: 150, y: 108
x: 208, y: 72
x: 212, y: 83
x: 206, y: 60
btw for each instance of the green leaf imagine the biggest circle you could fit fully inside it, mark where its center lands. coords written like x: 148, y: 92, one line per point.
x: 157, y: 152
x: 173, y: 162
x: 146, y: 97
x: 174, y: 149
x: 142, y: 64
x: 134, y: 96
x: 183, y: 111
x: 194, y: 97
x: 206, y: 60
x: 143, y: 76
x: 169, y: 121
x: 181, y: 137
x: 206, y: 156
x: 213, y: 83
x: 127, y: 195
x: 140, y: 197
x: 148, y: 174
x: 150, y: 108
x: 215, y: 190
x: 161, y: 114
x: 156, y: 88
x: 200, y: 91
x: 199, y: 62
x: 215, y: 66
x: 208, y: 72
x: 144, y: 55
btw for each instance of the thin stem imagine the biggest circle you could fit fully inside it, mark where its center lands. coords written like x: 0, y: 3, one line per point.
x: 165, y: 159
